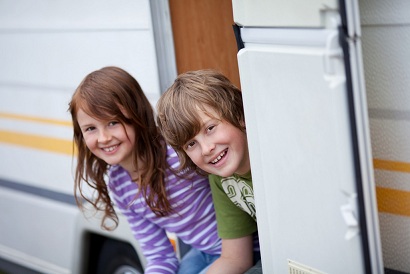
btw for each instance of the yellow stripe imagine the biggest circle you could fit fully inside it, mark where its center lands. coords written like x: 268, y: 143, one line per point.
x: 393, y: 201
x: 35, y: 119
x: 37, y: 142
x: 389, y: 200
x: 391, y: 165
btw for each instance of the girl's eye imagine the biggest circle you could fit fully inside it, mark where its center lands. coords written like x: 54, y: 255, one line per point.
x: 112, y: 123
x: 89, y: 129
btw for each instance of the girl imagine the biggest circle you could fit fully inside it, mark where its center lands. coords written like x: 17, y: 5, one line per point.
x: 117, y: 138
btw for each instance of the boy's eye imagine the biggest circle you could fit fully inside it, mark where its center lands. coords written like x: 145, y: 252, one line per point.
x: 189, y: 144
x: 210, y: 128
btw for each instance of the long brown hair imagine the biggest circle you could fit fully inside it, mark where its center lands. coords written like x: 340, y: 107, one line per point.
x: 113, y: 94
x: 178, y: 108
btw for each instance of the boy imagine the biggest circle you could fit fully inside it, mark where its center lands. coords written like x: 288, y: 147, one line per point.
x: 201, y: 116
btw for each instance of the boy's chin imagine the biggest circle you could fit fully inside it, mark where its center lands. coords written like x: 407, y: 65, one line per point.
x: 221, y: 173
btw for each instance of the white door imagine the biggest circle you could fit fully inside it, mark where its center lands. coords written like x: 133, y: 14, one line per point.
x: 306, y: 119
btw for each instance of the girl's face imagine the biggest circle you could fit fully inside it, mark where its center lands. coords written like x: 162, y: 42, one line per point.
x: 219, y: 148
x: 110, y: 141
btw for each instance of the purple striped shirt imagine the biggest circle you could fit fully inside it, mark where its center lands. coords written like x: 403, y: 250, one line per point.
x: 193, y: 219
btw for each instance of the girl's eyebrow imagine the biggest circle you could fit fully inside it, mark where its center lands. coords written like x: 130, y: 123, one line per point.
x: 85, y: 125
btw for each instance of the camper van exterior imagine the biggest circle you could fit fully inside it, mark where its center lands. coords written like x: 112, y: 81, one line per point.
x: 327, y: 108
x: 46, y: 49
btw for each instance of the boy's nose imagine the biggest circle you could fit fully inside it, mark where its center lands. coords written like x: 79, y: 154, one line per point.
x: 207, y: 148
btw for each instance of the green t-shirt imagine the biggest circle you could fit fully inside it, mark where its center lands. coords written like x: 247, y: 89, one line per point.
x: 234, y: 205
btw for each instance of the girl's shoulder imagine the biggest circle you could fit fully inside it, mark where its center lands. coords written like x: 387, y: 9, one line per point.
x: 121, y: 187
x: 184, y: 176
x: 117, y: 177
x: 114, y: 171
x: 172, y: 158
x: 171, y: 153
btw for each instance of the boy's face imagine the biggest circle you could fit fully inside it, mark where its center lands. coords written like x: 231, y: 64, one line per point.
x: 219, y: 148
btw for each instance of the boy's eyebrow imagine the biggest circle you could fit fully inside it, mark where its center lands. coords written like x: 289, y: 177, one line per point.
x: 208, y: 119
x: 204, y: 122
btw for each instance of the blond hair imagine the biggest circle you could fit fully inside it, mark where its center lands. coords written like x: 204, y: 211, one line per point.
x: 192, y: 91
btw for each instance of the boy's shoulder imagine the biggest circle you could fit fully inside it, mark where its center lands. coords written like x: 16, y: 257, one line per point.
x: 214, y: 178
x: 246, y: 177
x: 236, y: 181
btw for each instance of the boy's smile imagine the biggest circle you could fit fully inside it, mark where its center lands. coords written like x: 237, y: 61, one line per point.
x: 219, y: 148
x: 219, y: 157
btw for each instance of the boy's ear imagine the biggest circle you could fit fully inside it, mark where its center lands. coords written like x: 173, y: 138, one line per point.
x: 242, y: 124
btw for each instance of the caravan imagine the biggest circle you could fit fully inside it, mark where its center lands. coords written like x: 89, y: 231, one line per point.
x: 325, y: 87
x: 46, y: 49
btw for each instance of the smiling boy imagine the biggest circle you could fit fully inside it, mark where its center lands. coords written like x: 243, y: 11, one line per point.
x: 201, y: 115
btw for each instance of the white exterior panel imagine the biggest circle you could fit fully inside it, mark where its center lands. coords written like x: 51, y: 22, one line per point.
x: 278, y: 13
x: 46, y: 48
x: 300, y: 147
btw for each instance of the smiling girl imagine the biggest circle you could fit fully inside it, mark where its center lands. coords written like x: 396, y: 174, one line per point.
x: 117, y: 138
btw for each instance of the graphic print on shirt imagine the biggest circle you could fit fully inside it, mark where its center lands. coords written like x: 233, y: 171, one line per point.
x: 241, y: 194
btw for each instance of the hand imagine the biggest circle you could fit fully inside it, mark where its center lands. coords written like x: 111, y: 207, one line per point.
x: 236, y: 256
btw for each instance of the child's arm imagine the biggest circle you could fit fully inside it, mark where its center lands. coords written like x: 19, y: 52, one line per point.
x: 152, y: 239
x: 236, y: 257
x: 154, y: 243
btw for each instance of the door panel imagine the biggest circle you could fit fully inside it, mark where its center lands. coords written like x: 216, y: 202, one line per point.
x: 309, y: 142
x: 301, y: 157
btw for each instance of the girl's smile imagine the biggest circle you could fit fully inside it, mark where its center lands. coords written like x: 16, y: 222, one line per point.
x: 110, y: 141
x: 110, y: 149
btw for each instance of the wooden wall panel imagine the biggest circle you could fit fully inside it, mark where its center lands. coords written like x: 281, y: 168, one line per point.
x: 203, y: 36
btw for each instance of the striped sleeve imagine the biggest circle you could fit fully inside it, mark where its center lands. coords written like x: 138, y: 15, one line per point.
x: 153, y: 240
x: 154, y: 243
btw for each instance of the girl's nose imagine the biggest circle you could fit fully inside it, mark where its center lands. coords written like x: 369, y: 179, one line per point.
x: 104, y: 136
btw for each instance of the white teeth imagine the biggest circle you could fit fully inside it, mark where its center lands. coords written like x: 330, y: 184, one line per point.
x: 218, y: 158
x: 109, y: 149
